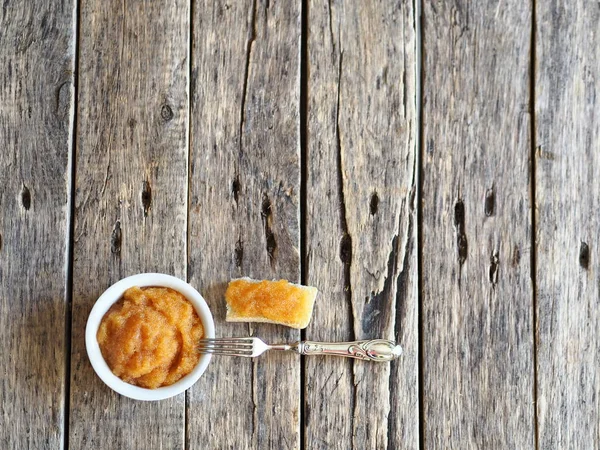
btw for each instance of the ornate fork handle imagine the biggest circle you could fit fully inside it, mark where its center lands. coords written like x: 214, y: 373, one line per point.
x: 380, y: 350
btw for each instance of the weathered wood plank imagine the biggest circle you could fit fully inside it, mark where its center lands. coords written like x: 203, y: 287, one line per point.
x: 361, y: 233
x: 36, y: 119
x: 131, y: 194
x: 476, y: 233
x: 568, y: 226
x: 244, y: 209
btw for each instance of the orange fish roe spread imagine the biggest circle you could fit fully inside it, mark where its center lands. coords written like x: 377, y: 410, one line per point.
x: 149, y: 337
x: 278, y: 302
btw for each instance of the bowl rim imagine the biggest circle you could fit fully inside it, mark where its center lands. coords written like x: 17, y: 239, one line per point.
x: 113, y: 294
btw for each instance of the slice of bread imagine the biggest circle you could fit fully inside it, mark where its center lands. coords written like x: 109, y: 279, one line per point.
x: 279, y: 302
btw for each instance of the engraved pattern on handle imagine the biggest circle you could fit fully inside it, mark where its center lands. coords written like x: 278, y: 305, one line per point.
x: 379, y: 350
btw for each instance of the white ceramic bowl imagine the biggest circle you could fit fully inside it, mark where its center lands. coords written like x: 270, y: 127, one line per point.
x: 114, y: 293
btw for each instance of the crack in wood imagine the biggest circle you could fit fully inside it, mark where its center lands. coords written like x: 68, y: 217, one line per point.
x: 239, y: 252
x: 403, y: 276
x: 402, y: 294
x: 346, y: 240
x: 106, y: 173
x: 404, y: 89
x: 331, y: 26
x: 353, y: 404
x: 373, y: 316
x: 306, y: 415
x: 253, y: 397
x: 123, y: 28
x: 267, y: 218
x: 345, y: 244
x: 249, y: 44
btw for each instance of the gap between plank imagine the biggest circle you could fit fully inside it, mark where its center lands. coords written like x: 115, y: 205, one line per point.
x: 533, y: 222
x: 303, y: 189
x: 419, y: 82
x: 71, y: 220
x: 186, y: 403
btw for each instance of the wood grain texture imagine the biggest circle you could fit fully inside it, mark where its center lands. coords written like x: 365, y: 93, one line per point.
x: 478, y: 374
x: 568, y: 225
x: 36, y: 118
x: 361, y: 233
x: 244, y: 210
x: 131, y: 194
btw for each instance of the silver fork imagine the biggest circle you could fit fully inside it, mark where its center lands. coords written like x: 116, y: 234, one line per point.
x: 380, y: 350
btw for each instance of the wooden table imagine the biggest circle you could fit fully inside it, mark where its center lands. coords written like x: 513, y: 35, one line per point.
x: 432, y: 167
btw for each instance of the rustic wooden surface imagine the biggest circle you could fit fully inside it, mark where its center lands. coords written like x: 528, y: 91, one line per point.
x: 130, y: 195
x: 36, y: 119
x: 361, y: 221
x: 477, y: 294
x: 212, y: 140
x: 244, y: 210
x: 567, y: 169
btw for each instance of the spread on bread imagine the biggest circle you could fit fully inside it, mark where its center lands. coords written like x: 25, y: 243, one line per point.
x: 279, y: 302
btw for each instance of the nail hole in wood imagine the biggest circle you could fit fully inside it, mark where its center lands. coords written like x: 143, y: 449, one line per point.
x: 461, y: 237
x: 459, y: 214
x: 235, y: 188
x: 490, y: 202
x: 146, y: 197
x: 374, y: 204
x: 26, y: 198
x: 494, y: 263
x: 584, y: 255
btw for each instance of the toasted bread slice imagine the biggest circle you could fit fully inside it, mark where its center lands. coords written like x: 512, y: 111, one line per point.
x: 279, y: 302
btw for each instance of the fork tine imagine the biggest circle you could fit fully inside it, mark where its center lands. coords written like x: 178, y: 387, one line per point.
x: 225, y: 352
x: 242, y: 339
x: 219, y: 344
x: 227, y: 346
x: 245, y: 346
x: 242, y: 344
